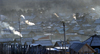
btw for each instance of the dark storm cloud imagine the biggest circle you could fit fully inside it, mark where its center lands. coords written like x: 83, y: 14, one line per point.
x: 49, y: 7
x: 72, y: 4
x: 58, y: 6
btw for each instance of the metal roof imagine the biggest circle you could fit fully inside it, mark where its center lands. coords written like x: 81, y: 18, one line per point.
x: 6, y: 39
x: 23, y: 40
x: 93, y: 40
x: 74, y: 41
x: 44, y: 42
x: 67, y: 43
x: 76, y: 46
x: 97, y: 21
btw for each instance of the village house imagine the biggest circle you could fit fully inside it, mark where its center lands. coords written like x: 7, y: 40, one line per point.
x: 25, y: 40
x: 39, y: 46
x: 94, y: 42
x: 36, y: 49
x: 68, y: 43
x: 31, y: 34
x: 60, y: 45
x: 6, y: 40
x: 46, y: 43
x: 80, y: 48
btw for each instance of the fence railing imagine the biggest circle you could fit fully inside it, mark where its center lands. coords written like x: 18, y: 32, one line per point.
x: 25, y: 49
x: 21, y: 49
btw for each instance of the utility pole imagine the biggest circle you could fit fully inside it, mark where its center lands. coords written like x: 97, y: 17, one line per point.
x: 64, y: 36
x: 19, y: 28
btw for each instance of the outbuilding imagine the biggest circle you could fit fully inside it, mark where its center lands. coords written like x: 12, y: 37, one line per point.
x: 80, y: 48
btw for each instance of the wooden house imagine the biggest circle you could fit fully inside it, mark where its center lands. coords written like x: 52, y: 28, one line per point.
x: 94, y: 42
x: 80, y: 48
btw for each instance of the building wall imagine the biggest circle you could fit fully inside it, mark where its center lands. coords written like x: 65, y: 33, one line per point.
x: 86, y: 49
x: 72, y: 51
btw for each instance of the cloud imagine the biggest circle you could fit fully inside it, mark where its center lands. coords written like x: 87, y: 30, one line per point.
x: 49, y: 7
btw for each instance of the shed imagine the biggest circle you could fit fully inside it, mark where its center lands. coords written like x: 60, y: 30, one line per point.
x: 80, y: 48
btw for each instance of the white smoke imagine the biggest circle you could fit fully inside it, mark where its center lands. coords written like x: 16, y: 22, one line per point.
x: 27, y: 21
x: 7, y: 26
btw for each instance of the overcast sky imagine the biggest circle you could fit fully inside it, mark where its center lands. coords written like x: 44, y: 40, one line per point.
x: 51, y: 7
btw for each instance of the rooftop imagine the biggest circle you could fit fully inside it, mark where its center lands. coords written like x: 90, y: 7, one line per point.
x: 93, y: 40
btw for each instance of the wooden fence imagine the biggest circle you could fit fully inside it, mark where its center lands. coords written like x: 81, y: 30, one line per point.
x: 21, y: 49
x: 25, y: 49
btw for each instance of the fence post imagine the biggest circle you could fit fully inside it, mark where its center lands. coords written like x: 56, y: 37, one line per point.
x: 1, y: 48
x: 29, y: 49
x: 24, y: 49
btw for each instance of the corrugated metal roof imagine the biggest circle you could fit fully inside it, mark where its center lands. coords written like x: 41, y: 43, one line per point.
x: 76, y: 46
x: 93, y: 40
x: 75, y: 41
x: 6, y: 39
